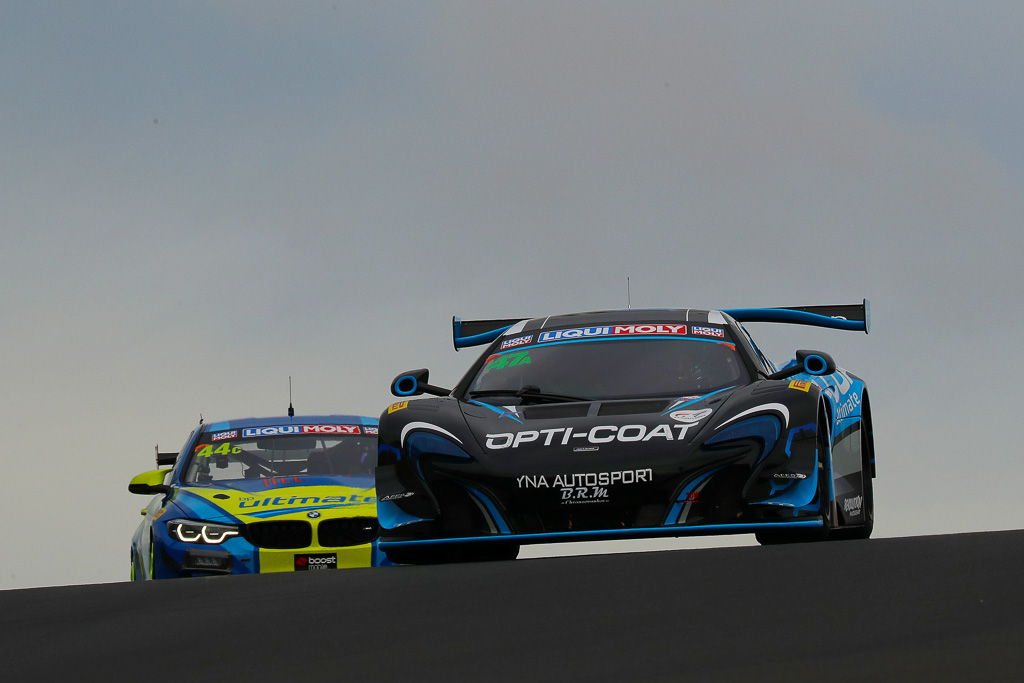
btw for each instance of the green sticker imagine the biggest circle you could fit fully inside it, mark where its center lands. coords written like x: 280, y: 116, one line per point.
x: 510, y: 360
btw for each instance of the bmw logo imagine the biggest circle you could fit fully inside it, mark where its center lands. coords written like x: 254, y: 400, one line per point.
x: 313, y: 515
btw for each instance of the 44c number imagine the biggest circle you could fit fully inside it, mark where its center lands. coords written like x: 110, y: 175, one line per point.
x: 223, y: 449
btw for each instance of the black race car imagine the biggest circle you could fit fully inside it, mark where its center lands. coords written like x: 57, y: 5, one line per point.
x: 626, y: 424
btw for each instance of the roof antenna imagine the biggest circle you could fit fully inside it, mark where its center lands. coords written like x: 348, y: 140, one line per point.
x: 628, y: 302
x: 291, y: 410
x: 200, y: 418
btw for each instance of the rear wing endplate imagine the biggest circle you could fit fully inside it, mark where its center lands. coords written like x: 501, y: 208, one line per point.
x: 164, y: 458
x: 852, y: 317
x: 476, y: 332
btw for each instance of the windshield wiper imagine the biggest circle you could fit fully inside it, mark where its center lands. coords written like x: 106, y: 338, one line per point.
x: 529, y: 392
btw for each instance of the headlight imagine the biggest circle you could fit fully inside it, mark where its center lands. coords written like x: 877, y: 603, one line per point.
x: 188, y: 531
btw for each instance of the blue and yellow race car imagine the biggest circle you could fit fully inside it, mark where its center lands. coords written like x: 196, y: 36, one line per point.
x: 275, y: 494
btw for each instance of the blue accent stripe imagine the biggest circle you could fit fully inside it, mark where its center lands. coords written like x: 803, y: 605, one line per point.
x: 478, y: 339
x: 645, y: 532
x: 500, y: 411
x: 390, y: 516
x: 499, y: 521
x: 786, y: 315
x: 696, y: 400
x: 201, y: 507
x: 677, y: 507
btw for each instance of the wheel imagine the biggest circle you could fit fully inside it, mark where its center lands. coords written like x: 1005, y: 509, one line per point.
x: 824, y: 533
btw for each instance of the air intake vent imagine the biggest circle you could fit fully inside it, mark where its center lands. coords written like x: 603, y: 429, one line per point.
x: 632, y: 407
x: 347, y: 531
x: 558, y: 410
x: 280, y: 535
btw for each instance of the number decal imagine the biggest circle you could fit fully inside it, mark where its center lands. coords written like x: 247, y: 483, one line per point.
x: 510, y: 360
x: 223, y: 449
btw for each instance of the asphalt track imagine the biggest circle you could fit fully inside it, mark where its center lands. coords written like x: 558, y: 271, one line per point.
x: 924, y: 608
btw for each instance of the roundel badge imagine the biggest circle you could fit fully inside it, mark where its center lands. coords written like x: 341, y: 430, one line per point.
x: 313, y: 514
x: 690, y: 416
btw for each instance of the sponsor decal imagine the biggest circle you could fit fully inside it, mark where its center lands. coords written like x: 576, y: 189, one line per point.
x: 508, y: 360
x: 395, y: 407
x: 800, y: 385
x: 586, y: 487
x: 852, y: 506
x: 286, y: 430
x: 398, y: 496
x: 586, y: 449
x: 270, y: 482
x: 716, y: 332
x: 789, y: 475
x: 692, y: 497
x: 220, y: 436
x: 517, y: 341
x: 316, y: 561
x: 331, y: 429
x: 583, y: 494
x: 271, y: 431
x: 611, y: 331
x: 690, y: 416
x: 575, y: 479
x: 564, y: 436
x: 354, y: 499
x: 848, y: 407
x: 370, y: 430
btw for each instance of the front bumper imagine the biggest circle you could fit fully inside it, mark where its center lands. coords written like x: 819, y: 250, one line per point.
x: 174, y: 559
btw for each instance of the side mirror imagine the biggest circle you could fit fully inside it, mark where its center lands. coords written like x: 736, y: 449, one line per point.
x: 811, y: 362
x: 414, y: 383
x: 150, y: 482
x: 815, y: 362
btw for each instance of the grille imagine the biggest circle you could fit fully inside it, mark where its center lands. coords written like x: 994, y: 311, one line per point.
x: 280, y: 535
x: 347, y: 531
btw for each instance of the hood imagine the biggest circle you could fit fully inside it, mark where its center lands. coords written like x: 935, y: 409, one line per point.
x: 251, y: 500
x: 519, y: 434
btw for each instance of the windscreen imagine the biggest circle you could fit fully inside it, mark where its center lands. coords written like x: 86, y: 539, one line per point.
x: 266, y: 452
x: 607, y: 368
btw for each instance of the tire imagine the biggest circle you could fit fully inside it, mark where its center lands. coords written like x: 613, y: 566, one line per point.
x: 777, y: 537
x: 446, y: 553
x: 863, y: 531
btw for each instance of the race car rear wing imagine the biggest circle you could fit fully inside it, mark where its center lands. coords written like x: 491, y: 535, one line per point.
x: 853, y: 317
x: 164, y: 458
x: 476, y: 332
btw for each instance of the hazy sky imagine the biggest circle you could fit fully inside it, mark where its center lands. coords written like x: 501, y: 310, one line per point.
x: 201, y: 199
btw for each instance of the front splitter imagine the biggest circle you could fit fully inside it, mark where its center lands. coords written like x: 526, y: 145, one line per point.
x: 609, y: 534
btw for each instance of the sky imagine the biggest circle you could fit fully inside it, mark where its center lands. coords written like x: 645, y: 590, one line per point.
x: 199, y: 200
